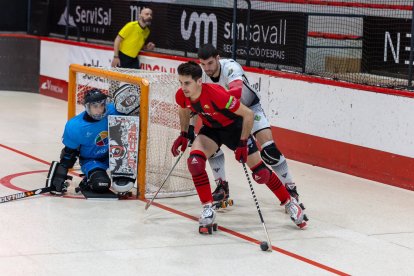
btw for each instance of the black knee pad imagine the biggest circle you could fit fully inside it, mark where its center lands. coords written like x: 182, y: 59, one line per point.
x: 270, y: 154
x: 99, y: 181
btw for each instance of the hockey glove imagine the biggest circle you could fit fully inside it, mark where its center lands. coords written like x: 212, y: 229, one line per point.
x: 180, y: 141
x: 242, y: 151
x: 191, y: 135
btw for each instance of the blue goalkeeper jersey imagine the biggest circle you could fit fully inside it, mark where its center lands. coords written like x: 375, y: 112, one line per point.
x: 91, y: 138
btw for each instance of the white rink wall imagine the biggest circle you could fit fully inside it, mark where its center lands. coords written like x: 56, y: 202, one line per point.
x: 374, y: 120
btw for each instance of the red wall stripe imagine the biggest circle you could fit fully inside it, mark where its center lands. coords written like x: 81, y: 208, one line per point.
x: 381, y: 166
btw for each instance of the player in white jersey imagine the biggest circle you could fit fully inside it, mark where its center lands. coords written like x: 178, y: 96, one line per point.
x: 229, y: 74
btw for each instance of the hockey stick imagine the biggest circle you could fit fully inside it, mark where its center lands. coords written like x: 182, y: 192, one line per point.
x: 262, y: 245
x: 39, y: 191
x: 48, y: 187
x: 25, y: 194
x: 165, y: 180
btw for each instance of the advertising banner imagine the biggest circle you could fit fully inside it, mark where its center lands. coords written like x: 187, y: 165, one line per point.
x: 271, y: 37
x: 386, y: 45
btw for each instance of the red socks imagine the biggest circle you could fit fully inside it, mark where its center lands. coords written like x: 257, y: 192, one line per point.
x: 276, y: 186
x: 197, y: 167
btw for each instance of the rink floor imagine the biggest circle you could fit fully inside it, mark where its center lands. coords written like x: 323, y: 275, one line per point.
x: 356, y: 227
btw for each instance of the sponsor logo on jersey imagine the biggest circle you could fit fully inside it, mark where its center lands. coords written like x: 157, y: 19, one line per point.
x: 102, y: 139
x: 257, y: 117
x: 206, y: 106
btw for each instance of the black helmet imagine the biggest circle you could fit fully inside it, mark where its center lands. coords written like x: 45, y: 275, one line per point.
x: 95, y: 96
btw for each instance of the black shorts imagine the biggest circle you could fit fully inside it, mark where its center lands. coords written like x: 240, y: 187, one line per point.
x: 229, y: 136
x: 128, y: 62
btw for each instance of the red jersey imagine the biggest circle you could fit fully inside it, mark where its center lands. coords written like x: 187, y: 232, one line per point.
x: 215, y: 106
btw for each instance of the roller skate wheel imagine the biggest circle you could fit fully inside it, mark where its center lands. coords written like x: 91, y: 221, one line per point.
x: 223, y: 204
x: 305, y: 218
x: 302, y: 206
x: 215, y: 227
x: 210, y: 229
x: 302, y: 225
x: 202, y: 230
x: 230, y: 201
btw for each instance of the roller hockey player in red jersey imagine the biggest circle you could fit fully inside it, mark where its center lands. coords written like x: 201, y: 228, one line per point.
x: 225, y: 121
x: 230, y: 75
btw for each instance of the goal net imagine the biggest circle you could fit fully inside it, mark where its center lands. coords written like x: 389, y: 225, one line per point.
x: 159, y: 123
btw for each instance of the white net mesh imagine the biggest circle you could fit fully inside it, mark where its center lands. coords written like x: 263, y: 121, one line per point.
x: 163, y: 128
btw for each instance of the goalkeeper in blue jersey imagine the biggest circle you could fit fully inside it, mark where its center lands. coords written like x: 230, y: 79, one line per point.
x: 86, y: 137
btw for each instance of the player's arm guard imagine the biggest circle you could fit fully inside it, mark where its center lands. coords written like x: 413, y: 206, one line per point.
x: 127, y: 99
x: 68, y: 157
x: 56, y: 178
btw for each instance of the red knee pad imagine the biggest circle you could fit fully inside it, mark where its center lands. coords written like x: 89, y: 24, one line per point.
x: 196, y: 162
x: 261, y: 173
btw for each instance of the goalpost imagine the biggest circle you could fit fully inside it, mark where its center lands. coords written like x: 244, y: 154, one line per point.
x: 159, y: 123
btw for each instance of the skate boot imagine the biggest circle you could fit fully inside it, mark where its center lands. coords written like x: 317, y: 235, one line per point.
x: 296, y: 213
x: 291, y: 188
x: 206, y: 220
x: 221, y: 195
x: 83, y: 186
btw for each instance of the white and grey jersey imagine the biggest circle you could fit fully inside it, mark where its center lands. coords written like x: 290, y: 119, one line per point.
x: 230, y: 71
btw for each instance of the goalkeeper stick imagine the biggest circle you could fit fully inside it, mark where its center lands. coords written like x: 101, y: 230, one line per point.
x: 165, y: 180
x: 258, y: 207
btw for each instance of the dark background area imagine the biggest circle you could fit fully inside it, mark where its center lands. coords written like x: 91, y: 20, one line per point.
x: 13, y: 15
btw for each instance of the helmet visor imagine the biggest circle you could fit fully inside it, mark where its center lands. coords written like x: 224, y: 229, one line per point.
x: 97, y: 110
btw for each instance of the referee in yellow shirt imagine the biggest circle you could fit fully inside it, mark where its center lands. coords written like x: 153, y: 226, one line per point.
x: 131, y: 39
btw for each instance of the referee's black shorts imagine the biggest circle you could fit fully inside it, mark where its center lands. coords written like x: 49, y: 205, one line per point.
x: 128, y: 62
